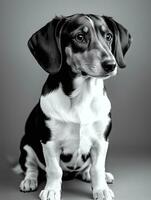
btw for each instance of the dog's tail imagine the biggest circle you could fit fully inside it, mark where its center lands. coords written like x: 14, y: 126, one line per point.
x: 17, y: 169
x: 14, y: 165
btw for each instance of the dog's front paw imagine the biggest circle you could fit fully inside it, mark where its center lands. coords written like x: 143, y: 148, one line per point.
x: 28, y: 185
x: 47, y: 194
x: 104, y: 193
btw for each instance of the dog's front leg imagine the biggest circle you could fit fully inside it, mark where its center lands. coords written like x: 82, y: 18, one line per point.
x: 52, y: 190
x: 101, y: 191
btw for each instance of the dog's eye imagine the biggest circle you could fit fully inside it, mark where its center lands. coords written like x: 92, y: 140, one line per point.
x: 80, y: 38
x: 109, y: 37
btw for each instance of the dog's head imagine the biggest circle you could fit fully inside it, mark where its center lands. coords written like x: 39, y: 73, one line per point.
x: 90, y: 44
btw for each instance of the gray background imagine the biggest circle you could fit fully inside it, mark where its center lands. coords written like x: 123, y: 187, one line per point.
x: 21, y: 79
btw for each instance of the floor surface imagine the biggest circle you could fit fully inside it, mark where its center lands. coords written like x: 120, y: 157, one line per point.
x: 132, y: 181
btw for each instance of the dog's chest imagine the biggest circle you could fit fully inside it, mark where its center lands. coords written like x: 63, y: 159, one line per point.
x: 86, y: 105
x: 76, y: 122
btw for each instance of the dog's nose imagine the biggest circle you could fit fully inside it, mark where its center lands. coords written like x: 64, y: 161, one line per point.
x: 108, y: 67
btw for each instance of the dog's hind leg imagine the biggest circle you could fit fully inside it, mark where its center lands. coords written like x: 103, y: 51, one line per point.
x: 30, y: 166
x: 109, y: 178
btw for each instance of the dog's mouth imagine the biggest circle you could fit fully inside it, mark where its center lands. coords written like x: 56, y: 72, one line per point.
x: 79, y: 71
x: 90, y: 72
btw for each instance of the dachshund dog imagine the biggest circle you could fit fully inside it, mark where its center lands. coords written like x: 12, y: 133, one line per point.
x: 67, y: 131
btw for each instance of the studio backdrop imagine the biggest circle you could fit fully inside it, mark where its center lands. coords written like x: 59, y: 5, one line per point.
x: 21, y: 78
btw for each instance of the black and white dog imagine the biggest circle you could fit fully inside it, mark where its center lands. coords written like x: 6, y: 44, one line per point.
x: 68, y: 129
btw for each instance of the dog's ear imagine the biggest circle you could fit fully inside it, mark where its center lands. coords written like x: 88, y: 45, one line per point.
x: 45, y: 46
x: 121, y: 41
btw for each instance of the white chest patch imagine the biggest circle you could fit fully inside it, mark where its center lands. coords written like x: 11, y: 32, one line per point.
x: 86, y: 104
x: 78, y: 121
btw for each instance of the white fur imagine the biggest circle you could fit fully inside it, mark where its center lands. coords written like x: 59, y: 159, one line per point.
x: 91, y: 22
x: 32, y: 157
x: 30, y: 182
x: 86, y: 105
x: 52, y: 189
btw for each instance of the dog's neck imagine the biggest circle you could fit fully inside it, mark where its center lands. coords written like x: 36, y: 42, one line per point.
x: 73, y: 85
x: 78, y: 99
x: 77, y: 85
x: 86, y: 86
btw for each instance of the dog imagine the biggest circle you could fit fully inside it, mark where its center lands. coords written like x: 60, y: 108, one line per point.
x: 68, y: 130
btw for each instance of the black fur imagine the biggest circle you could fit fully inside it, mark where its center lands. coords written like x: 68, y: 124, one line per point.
x: 85, y: 157
x: 35, y: 133
x: 108, y: 128
x: 51, y: 84
x: 72, y: 168
x: 65, y: 77
x: 22, y: 159
x: 66, y: 157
